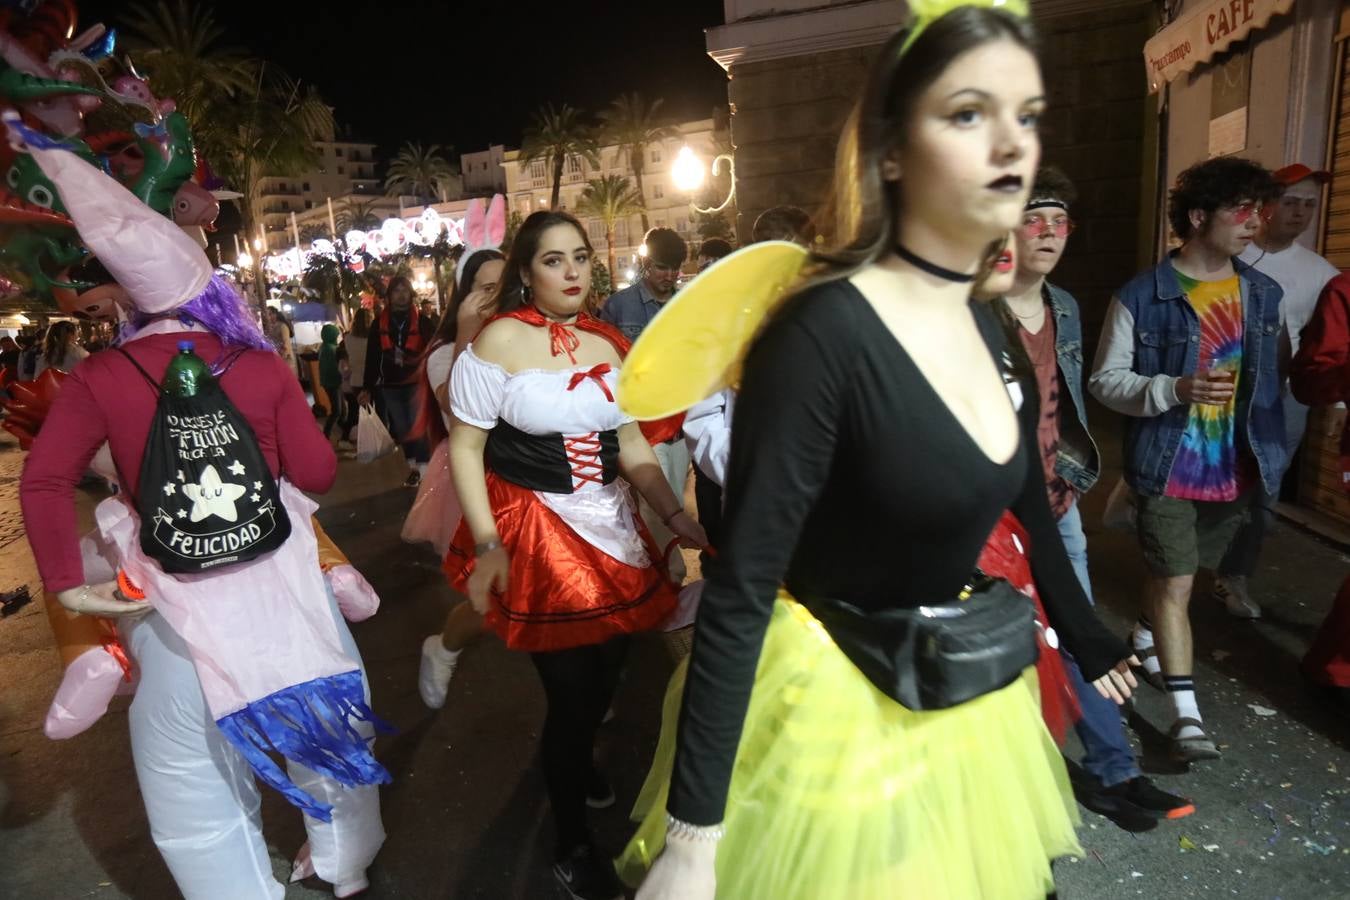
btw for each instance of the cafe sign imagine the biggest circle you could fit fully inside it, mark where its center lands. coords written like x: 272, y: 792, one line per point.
x: 1203, y: 31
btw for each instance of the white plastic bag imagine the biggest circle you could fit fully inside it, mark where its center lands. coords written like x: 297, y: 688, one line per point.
x: 373, y: 440
x: 1120, y: 511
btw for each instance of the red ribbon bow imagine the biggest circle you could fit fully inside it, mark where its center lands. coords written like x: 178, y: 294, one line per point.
x: 596, y: 373
x: 563, y: 340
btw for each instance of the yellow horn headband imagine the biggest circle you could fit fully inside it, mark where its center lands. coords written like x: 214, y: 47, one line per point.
x: 926, y: 12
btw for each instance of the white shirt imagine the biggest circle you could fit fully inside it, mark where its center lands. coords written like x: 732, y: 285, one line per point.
x: 438, y: 372
x: 1301, y: 273
x: 707, y: 431
x: 356, y: 358
x: 569, y: 403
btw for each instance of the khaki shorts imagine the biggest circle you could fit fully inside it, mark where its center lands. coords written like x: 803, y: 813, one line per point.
x: 1179, y: 537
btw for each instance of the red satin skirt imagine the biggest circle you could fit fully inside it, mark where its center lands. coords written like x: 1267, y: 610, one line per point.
x: 1005, y: 556
x: 564, y: 592
x: 1328, y: 659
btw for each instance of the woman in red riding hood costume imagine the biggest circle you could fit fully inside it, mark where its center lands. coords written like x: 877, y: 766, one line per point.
x: 551, y: 548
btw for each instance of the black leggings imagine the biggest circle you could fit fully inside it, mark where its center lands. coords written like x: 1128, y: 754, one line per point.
x: 579, y: 684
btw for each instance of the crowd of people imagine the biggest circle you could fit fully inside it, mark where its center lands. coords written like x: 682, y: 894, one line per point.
x: 828, y: 735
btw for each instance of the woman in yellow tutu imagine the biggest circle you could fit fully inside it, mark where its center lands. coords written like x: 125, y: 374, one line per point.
x: 813, y: 748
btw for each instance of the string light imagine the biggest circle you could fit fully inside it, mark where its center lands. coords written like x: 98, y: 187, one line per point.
x: 394, y: 236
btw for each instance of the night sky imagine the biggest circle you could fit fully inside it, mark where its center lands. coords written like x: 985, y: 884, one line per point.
x: 470, y: 73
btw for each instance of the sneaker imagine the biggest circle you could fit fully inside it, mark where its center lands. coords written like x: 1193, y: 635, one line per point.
x: 599, y: 795
x: 438, y: 667
x: 1231, y: 591
x: 1146, y: 795
x: 586, y: 875
x: 344, y: 444
x: 414, y: 479
x: 1113, y: 803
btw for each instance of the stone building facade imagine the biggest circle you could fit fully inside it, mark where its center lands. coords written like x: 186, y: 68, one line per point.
x: 1101, y: 130
x: 796, y: 69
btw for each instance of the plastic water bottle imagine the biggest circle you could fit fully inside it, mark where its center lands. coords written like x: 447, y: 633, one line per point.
x: 186, y: 372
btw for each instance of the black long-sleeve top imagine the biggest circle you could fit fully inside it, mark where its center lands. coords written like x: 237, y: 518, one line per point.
x: 851, y: 480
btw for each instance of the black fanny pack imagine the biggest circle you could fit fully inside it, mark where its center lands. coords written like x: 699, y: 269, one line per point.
x: 936, y: 657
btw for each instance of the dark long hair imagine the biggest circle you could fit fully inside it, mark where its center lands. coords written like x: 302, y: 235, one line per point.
x: 430, y: 424
x: 60, y: 335
x: 511, y: 290
x: 395, y: 282
x: 447, y: 332
x: 865, y: 206
x: 361, y: 323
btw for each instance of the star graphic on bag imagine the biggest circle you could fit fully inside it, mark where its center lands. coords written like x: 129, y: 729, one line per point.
x: 169, y: 488
x: 255, y: 496
x: 237, y: 469
x: 257, y: 485
x: 213, y: 497
x: 182, y: 514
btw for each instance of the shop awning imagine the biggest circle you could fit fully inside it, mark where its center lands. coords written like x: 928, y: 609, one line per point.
x: 1202, y: 32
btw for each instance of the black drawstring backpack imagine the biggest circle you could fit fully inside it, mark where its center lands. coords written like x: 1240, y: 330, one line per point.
x: 207, y: 498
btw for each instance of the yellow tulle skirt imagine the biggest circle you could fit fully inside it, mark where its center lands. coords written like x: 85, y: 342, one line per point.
x: 840, y: 793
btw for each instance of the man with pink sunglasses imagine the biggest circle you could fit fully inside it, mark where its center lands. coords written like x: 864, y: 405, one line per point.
x: 1190, y: 353
x: 1301, y: 274
x: 1049, y: 328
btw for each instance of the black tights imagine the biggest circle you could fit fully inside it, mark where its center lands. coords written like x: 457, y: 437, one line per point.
x: 579, y: 684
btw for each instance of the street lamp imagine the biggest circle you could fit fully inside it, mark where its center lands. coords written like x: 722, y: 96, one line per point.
x: 689, y: 175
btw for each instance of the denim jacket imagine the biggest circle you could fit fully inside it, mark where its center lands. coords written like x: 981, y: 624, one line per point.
x: 631, y: 309
x: 1151, y: 340
x: 1079, y: 463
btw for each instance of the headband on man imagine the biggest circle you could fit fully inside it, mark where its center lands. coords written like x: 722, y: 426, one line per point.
x: 1046, y: 203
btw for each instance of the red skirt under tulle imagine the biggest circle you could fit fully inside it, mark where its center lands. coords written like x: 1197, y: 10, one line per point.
x: 564, y: 592
x: 1005, y: 556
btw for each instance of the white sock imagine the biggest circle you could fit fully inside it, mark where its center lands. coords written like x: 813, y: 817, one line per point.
x: 1181, y: 690
x: 1142, y: 639
x: 448, y: 656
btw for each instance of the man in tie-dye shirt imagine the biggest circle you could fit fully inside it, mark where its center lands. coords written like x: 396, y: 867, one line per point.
x: 1190, y: 352
x: 1208, y: 466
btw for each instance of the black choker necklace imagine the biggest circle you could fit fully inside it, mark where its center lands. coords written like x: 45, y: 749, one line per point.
x: 933, y: 269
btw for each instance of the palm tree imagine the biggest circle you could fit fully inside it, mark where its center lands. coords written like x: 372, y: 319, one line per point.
x: 611, y: 199
x: 631, y: 123
x: 179, y: 48
x: 556, y: 135
x: 357, y: 215
x: 267, y: 130
x: 421, y: 172
x: 311, y: 233
x: 249, y: 119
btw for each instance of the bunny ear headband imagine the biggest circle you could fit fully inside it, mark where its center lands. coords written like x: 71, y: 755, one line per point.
x: 483, y: 230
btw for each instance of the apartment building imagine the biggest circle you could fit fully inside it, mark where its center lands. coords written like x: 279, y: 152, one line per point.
x: 529, y: 188
x: 346, y: 168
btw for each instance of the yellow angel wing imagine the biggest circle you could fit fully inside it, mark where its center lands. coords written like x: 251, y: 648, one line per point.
x: 690, y: 350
